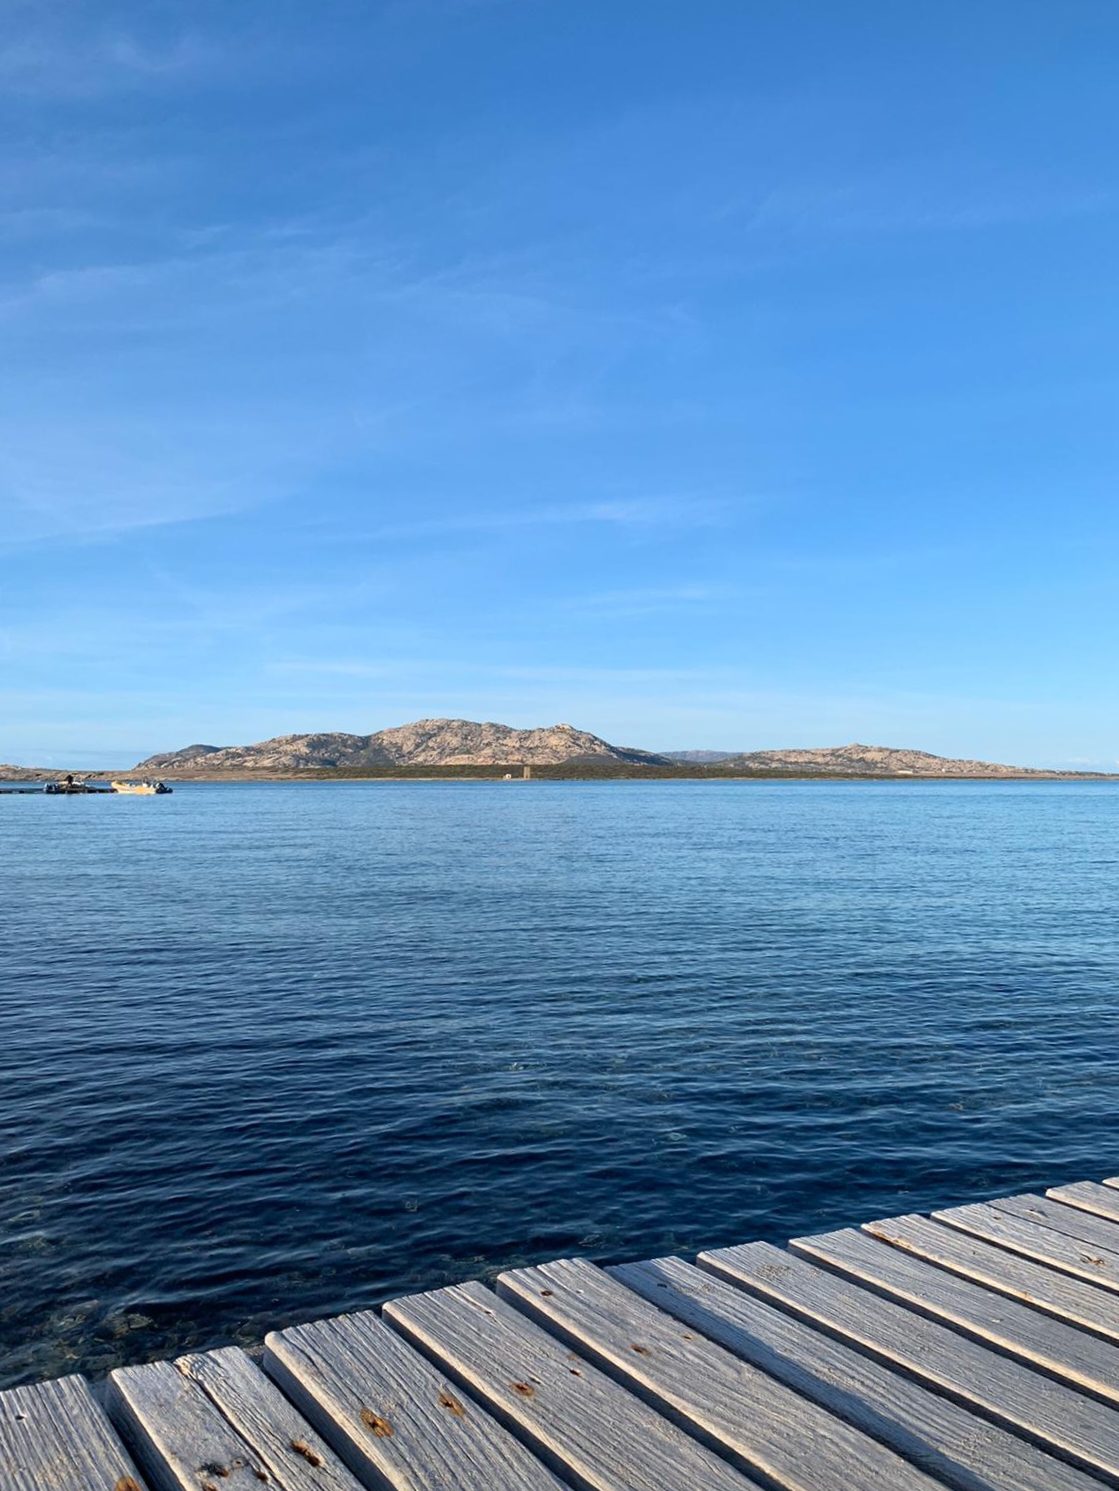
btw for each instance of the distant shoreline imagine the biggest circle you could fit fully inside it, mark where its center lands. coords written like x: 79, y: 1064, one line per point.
x: 614, y: 772
x: 466, y: 750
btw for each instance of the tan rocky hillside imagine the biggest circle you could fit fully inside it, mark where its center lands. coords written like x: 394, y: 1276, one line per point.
x: 432, y: 743
x: 182, y: 760
x: 40, y: 774
x: 866, y: 760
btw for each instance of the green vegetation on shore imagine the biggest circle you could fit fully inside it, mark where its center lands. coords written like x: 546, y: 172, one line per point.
x: 576, y: 771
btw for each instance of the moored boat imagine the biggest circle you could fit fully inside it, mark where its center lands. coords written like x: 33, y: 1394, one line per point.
x: 71, y: 788
x: 142, y: 789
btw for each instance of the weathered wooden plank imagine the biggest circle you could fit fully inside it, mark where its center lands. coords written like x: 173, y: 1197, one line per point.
x: 723, y: 1401
x: 1044, y: 1288
x: 213, y: 1420
x: 1049, y: 1412
x: 940, y: 1436
x: 1032, y: 1239
x: 1018, y: 1329
x: 1082, y: 1225
x: 391, y: 1416
x: 1102, y: 1201
x: 55, y: 1437
x: 586, y: 1425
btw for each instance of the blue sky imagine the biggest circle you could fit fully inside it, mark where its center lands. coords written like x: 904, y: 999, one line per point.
x: 730, y: 374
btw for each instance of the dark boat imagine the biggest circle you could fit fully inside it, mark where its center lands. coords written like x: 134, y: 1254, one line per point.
x: 68, y: 787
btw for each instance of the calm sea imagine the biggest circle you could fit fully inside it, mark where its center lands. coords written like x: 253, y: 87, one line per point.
x: 274, y: 1052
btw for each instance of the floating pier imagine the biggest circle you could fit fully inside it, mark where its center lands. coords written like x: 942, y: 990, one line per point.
x: 976, y: 1349
x: 86, y: 789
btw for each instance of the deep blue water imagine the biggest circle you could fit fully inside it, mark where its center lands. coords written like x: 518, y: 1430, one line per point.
x: 273, y: 1052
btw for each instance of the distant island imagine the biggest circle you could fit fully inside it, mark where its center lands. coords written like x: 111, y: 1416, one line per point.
x: 467, y: 748
x: 426, y: 743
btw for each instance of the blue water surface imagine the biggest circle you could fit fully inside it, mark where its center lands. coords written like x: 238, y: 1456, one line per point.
x: 272, y: 1052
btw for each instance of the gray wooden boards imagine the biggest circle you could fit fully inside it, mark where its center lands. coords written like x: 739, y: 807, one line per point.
x: 1033, y: 1239
x: 1044, y: 1288
x: 214, y: 1422
x: 393, y: 1417
x: 597, y: 1435
x: 54, y: 1437
x: 1014, y: 1328
x: 937, y: 1434
x: 1048, y: 1412
x: 1088, y: 1196
x: 760, y: 1423
x: 1066, y: 1219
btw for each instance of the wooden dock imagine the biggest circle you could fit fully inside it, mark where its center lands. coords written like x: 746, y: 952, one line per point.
x: 976, y: 1349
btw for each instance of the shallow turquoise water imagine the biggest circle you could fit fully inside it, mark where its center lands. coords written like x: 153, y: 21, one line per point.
x: 272, y: 1052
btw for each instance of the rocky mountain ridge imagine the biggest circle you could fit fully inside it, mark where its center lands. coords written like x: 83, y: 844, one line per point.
x: 9, y: 773
x: 866, y: 760
x: 432, y: 743
x: 189, y: 756
x: 445, y: 744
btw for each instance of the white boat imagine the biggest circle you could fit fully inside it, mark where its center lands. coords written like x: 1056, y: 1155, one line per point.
x: 141, y: 789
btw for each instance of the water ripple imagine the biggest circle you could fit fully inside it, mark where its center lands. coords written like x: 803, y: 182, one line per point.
x: 273, y: 1052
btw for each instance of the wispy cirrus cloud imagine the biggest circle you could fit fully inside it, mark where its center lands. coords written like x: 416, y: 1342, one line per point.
x: 386, y: 344
x: 650, y: 600
x: 52, y: 61
x: 76, y: 478
x: 69, y: 51
x: 623, y: 512
x: 933, y: 200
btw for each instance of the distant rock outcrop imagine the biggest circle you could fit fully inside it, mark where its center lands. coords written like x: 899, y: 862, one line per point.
x: 864, y: 760
x: 41, y: 774
x: 433, y: 743
x: 179, y: 760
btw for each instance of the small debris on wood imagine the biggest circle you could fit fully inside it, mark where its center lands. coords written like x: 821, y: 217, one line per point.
x: 380, y: 1426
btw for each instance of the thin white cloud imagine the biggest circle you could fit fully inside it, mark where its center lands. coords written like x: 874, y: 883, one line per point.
x: 647, y: 601
x: 74, y: 480
x: 931, y: 197
x: 632, y: 512
x: 75, y: 51
x: 57, y: 61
